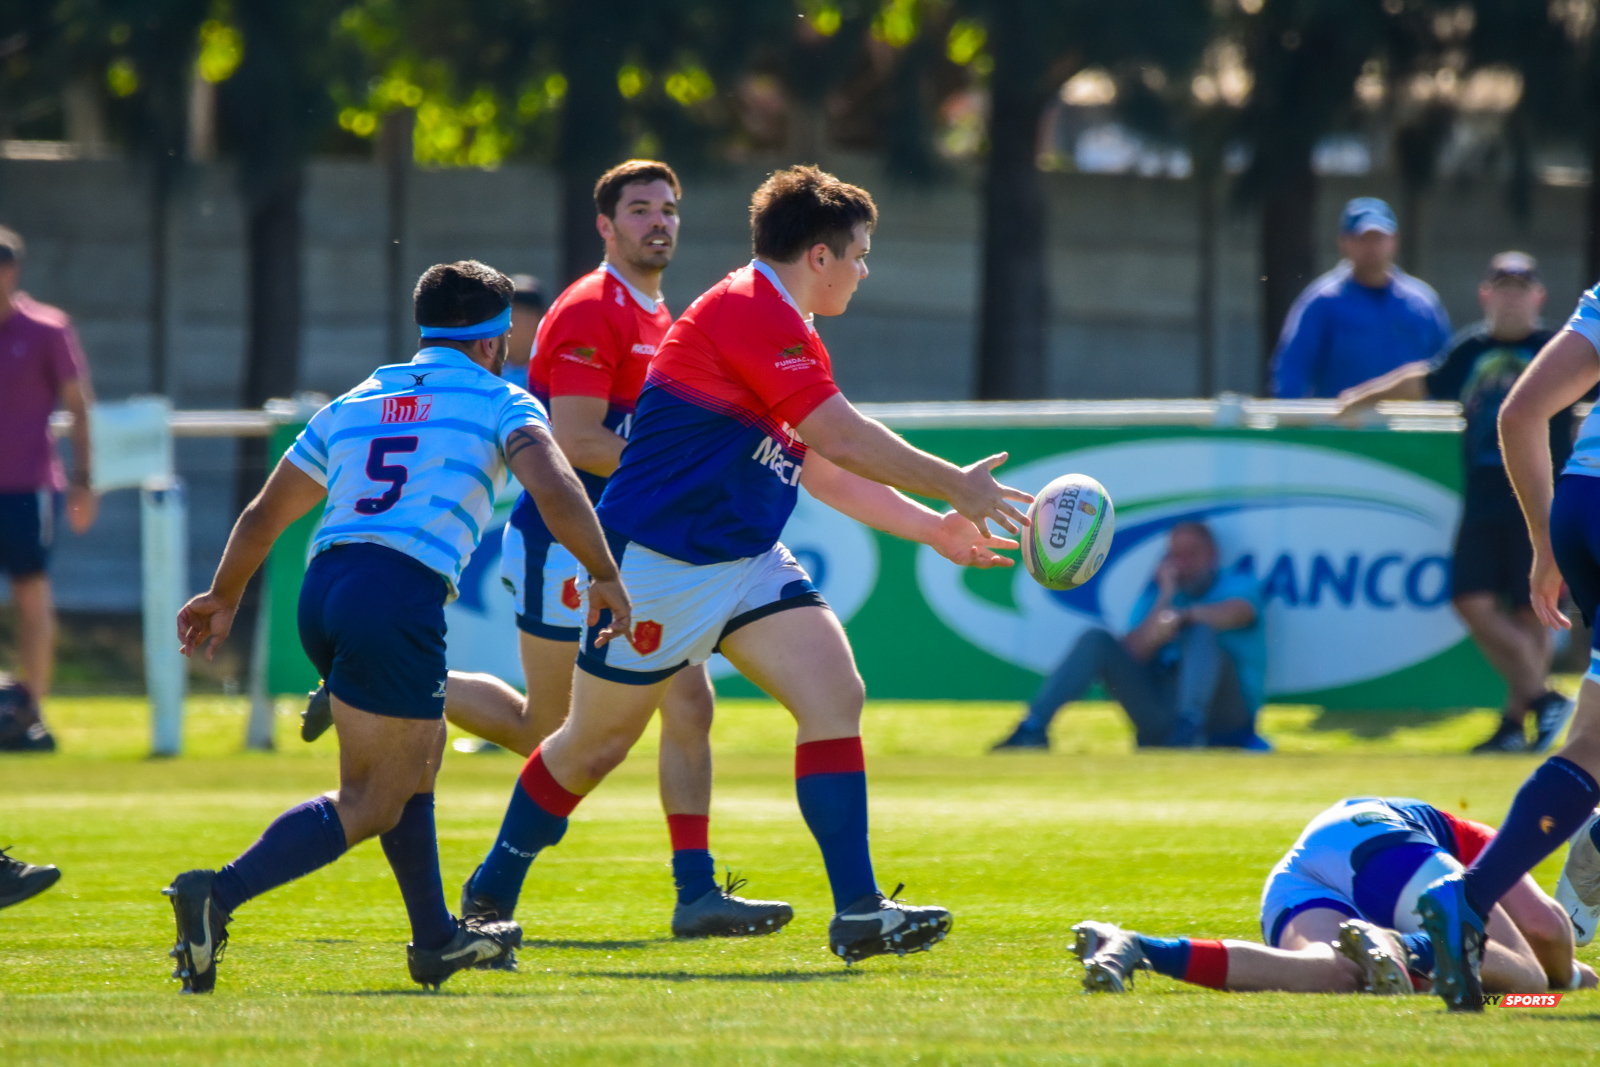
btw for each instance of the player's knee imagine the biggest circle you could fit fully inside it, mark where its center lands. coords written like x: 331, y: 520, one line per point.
x: 688, y: 715
x: 1546, y: 930
x: 605, y: 757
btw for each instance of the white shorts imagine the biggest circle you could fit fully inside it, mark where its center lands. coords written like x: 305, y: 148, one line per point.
x: 682, y: 611
x: 543, y: 579
x: 1317, y: 872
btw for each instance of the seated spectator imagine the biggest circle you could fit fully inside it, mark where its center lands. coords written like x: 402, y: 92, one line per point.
x: 1493, y: 555
x: 1192, y: 669
x: 1363, y: 318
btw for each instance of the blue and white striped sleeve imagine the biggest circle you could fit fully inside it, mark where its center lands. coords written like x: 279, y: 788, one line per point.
x: 1586, y: 320
x: 310, y: 449
x: 520, y: 408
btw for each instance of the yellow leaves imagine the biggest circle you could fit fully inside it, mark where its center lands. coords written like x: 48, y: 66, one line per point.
x: 690, y: 84
x: 631, y: 81
x: 121, y: 77
x: 965, y: 41
x: 822, y: 16
x: 221, y: 50
x: 896, y: 23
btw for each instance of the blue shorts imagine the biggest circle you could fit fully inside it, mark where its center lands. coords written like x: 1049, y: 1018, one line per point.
x: 543, y: 579
x: 1575, y: 537
x: 27, y: 528
x: 372, y: 623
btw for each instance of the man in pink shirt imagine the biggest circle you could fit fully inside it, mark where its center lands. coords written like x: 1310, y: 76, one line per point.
x: 42, y: 366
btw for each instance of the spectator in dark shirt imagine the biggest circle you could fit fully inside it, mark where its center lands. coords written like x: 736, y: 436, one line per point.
x: 1492, y: 553
x: 1363, y: 318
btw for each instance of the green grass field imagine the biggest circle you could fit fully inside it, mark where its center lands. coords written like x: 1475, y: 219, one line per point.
x: 1019, y: 848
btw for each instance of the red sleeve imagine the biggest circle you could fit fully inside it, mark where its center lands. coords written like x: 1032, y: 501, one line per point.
x: 584, y: 350
x: 786, y: 367
x: 1471, y: 837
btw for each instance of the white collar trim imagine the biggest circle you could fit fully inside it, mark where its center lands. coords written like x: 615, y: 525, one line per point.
x: 647, y: 302
x: 777, y: 283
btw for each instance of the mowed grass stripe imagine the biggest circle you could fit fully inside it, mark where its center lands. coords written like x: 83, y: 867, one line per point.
x: 1018, y: 847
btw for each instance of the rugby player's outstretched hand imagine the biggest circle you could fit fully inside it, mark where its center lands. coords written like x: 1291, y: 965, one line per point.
x: 1544, y: 589
x: 962, y: 543
x: 610, y: 595
x: 982, y: 499
x: 205, y: 620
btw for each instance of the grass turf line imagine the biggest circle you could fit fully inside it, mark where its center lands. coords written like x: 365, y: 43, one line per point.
x: 1019, y: 847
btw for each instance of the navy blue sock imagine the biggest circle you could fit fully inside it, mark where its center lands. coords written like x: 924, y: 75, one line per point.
x: 831, y: 783
x: 535, y: 819
x: 413, y: 851
x: 1419, y: 951
x: 694, y: 872
x: 305, y: 837
x: 1167, y: 955
x: 1548, y: 809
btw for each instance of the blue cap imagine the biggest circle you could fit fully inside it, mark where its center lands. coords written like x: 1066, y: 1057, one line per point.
x: 1367, y: 213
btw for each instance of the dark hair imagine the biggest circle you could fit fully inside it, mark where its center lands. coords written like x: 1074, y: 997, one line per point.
x: 11, y: 245
x: 1199, y: 529
x: 527, y: 292
x: 608, y: 189
x: 802, y: 207
x: 463, y: 293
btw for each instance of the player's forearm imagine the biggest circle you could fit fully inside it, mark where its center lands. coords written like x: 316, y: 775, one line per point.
x: 288, y: 494
x: 593, y: 449
x: 544, y: 472
x: 867, y: 501
x: 1232, y: 614
x: 1525, y: 445
x: 870, y: 449
x: 1402, y: 383
x: 1559, y: 376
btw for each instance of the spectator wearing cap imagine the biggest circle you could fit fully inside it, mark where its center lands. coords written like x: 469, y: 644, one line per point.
x: 42, y: 367
x: 527, y: 309
x: 1363, y: 318
x: 1493, y: 555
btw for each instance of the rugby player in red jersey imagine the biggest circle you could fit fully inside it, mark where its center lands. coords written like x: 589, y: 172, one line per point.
x: 593, y: 348
x: 739, y: 409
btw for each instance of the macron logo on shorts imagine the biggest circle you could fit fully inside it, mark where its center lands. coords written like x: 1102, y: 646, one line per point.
x: 407, y: 408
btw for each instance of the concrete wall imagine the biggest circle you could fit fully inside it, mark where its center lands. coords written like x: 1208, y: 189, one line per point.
x: 1123, y: 264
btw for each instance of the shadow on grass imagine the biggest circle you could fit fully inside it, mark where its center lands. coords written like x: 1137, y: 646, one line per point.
x: 1376, y: 725
x: 728, y: 976
x: 594, y: 946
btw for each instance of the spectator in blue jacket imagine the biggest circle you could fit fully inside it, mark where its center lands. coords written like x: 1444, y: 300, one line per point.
x: 1360, y: 320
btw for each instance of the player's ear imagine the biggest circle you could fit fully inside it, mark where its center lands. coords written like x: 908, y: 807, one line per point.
x: 606, y: 227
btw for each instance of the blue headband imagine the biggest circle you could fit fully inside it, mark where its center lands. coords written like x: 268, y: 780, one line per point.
x: 488, y: 328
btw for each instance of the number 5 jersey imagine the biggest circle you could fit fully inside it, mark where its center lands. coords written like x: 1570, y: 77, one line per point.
x: 413, y: 457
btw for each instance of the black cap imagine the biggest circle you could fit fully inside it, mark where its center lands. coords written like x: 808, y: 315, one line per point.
x: 527, y: 292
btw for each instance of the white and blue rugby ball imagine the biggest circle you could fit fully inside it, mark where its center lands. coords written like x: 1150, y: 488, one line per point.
x: 1070, y: 536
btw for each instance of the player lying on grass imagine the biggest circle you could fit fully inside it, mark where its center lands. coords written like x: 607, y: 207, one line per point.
x: 588, y: 367
x: 1338, y: 916
x: 409, y: 462
x: 1564, y: 524
x: 739, y: 409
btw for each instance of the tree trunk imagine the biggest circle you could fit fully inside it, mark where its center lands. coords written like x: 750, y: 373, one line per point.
x: 591, y: 127
x: 1288, y: 253
x: 1012, y: 338
x: 1205, y: 297
x: 160, y: 233
x: 395, y: 152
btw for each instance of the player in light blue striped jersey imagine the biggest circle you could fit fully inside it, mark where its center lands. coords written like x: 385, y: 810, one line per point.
x: 1564, y: 525
x: 410, y: 462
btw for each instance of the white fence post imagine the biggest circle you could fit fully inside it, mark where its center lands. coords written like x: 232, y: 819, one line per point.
x: 164, y: 523
x: 258, y: 734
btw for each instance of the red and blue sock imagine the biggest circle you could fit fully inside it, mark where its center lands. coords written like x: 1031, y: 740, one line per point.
x: 694, y: 872
x: 1187, y: 959
x: 830, y: 780
x: 412, y: 849
x: 299, y: 841
x: 1548, y: 809
x: 535, y: 819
